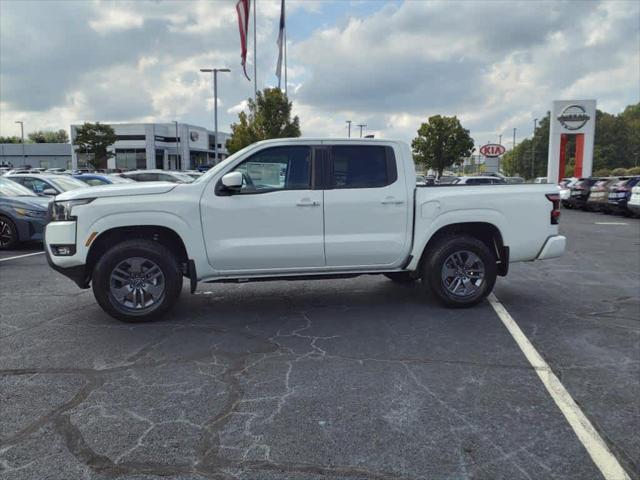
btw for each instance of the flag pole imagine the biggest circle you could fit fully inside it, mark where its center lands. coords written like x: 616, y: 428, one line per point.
x: 284, y: 6
x: 255, y: 58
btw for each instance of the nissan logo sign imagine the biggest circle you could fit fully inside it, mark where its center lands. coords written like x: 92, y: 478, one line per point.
x: 194, y: 136
x: 573, y: 117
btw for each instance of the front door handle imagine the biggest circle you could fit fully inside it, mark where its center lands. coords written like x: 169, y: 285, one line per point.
x: 392, y: 202
x: 308, y: 204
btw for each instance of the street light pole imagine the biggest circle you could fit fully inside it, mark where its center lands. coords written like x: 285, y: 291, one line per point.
x: 178, y: 162
x: 24, y: 158
x: 361, y: 125
x: 215, y: 105
x: 500, y: 139
x: 349, y: 123
x: 533, y: 148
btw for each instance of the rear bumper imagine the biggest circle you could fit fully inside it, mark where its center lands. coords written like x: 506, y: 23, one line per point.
x: 554, y: 247
x: 634, y: 207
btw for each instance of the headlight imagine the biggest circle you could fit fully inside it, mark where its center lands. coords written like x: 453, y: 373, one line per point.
x: 61, y: 211
x: 23, y: 212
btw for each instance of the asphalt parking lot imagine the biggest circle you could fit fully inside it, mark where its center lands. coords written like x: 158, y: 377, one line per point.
x: 348, y: 379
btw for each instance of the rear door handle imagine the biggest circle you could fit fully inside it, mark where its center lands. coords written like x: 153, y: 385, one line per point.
x: 392, y: 202
x: 308, y: 204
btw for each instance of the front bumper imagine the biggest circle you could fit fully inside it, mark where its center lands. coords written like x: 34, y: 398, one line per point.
x: 76, y: 273
x: 554, y: 247
x: 71, y: 266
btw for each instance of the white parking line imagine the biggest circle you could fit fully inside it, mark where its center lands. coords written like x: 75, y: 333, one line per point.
x: 587, y: 434
x: 611, y: 223
x: 20, y: 256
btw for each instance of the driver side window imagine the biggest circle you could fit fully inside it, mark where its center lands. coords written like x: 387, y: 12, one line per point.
x: 277, y: 168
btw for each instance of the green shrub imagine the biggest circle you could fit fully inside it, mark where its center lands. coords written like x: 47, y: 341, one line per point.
x: 633, y: 171
x: 618, y: 172
x: 603, y: 172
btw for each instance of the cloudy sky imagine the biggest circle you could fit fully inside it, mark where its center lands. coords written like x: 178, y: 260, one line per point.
x: 387, y: 64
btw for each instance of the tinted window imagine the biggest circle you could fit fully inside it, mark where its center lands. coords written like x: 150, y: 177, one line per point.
x: 278, y: 168
x: 478, y: 181
x: 362, y: 166
x: 35, y: 184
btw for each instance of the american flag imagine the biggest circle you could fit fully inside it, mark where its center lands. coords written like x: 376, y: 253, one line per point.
x: 280, y: 44
x: 242, y: 7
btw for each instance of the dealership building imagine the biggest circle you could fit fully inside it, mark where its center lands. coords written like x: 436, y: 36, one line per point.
x: 166, y: 146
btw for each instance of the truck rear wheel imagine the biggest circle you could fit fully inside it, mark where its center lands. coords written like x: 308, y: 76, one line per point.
x: 137, y: 280
x: 460, y: 271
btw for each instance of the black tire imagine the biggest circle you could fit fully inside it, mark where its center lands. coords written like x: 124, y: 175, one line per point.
x: 149, y: 251
x: 434, y: 263
x: 404, y: 278
x: 8, y: 233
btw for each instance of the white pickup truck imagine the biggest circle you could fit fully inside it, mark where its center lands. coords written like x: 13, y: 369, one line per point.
x: 297, y: 209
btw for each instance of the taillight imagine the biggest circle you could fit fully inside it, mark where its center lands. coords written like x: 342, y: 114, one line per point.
x: 555, y: 213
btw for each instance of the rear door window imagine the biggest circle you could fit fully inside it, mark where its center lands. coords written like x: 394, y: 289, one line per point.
x: 362, y: 166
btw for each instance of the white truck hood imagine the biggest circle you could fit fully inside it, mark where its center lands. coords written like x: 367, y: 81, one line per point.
x: 118, y: 190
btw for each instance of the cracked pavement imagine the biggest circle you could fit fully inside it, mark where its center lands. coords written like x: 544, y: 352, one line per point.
x: 312, y: 380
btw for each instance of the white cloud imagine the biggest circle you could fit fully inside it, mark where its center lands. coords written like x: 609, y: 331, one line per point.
x: 390, y: 68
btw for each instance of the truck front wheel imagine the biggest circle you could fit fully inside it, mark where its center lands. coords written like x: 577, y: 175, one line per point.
x: 460, y: 271
x: 137, y: 280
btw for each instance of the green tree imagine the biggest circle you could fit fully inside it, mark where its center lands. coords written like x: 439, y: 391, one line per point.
x: 441, y: 142
x: 95, y: 139
x: 12, y: 139
x: 44, y: 136
x: 269, y: 117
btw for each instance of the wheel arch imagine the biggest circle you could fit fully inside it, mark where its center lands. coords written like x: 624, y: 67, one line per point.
x: 486, y: 232
x: 161, y: 234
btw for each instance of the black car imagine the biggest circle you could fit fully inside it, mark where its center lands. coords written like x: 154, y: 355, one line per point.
x: 619, y: 195
x: 580, y: 192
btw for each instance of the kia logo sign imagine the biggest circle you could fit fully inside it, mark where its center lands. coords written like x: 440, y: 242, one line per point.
x: 492, y: 150
x: 573, y: 117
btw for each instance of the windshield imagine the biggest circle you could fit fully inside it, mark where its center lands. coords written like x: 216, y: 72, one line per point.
x: 67, y: 183
x: 216, y: 168
x: 9, y: 188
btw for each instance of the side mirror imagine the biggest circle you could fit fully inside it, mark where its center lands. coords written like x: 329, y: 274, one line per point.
x: 232, y: 180
x: 49, y: 192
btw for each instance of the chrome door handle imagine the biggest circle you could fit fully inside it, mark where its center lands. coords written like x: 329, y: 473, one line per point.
x: 308, y: 204
x: 392, y: 202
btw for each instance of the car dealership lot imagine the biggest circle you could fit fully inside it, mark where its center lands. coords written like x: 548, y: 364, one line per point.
x: 358, y: 378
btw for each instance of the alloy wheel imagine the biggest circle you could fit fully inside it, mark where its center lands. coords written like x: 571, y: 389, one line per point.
x: 137, y: 283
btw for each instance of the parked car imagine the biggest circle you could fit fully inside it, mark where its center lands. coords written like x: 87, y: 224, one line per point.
x: 16, y: 170
x: 447, y: 179
x: 157, y: 176
x: 540, y: 180
x: 243, y: 220
x: 55, y: 170
x: 23, y: 214
x: 479, y: 181
x: 619, y: 195
x: 580, y: 192
x: 192, y: 173
x: 47, y: 184
x: 634, y: 201
x: 94, y: 179
x: 514, y: 179
x: 565, y: 190
x: 599, y: 194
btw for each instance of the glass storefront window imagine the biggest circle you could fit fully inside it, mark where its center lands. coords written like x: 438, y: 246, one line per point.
x: 131, y: 158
